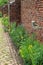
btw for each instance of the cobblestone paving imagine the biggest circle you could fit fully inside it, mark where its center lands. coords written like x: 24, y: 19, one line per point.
x: 5, y: 55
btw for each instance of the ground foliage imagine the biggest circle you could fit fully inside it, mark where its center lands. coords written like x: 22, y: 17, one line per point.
x: 30, y: 49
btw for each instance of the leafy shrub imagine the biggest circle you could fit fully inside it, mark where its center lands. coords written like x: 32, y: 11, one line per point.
x: 0, y: 14
x: 3, y: 2
x: 13, y: 26
x: 29, y: 48
x: 17, y: 34
x: 6, y: 23
x: 32, y: 54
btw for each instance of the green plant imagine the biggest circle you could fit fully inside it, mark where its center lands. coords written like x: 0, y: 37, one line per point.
x: 32, y: 53
x: 13, y: 26
x: 36, y: 54
x: 17, y: 34
x: 3, y: 2
x: 25, y: 54
x: 6, y: 23
x: 0, y: 14
x: 30, y: 49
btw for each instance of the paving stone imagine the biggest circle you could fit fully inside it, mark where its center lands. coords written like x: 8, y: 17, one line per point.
x: 5, y: 55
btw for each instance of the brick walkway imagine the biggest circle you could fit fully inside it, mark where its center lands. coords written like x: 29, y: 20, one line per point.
x: 5, y: 49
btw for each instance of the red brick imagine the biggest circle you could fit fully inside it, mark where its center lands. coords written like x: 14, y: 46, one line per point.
x: 31, y: 11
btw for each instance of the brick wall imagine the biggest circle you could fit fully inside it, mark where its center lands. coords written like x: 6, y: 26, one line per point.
x: 12, y: 12
x: 15, y: 11
x: 32, y: 10
x: 5, y: 9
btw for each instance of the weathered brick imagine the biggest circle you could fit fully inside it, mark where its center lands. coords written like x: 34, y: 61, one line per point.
x: 32, y: 11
